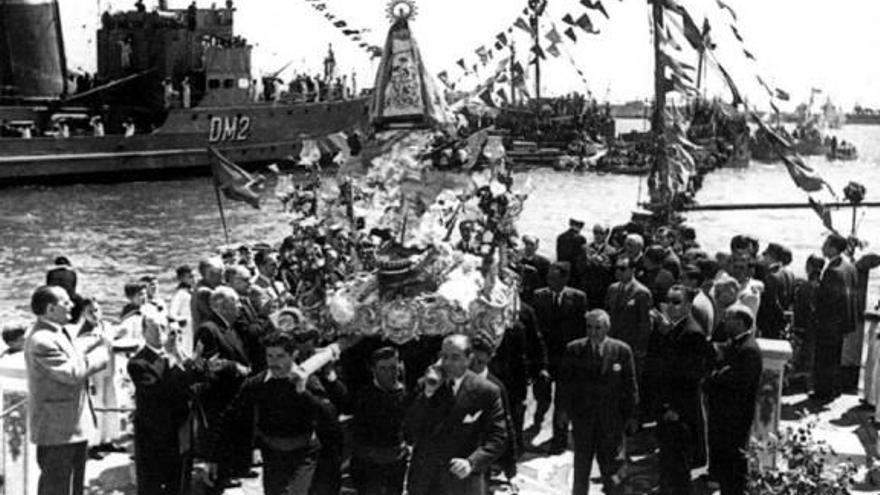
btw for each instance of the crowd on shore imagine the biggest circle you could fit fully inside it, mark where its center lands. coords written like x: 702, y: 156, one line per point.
x: 629, y: 331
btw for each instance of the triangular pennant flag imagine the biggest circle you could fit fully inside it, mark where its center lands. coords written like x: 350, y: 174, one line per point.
x: 474, y: 68
x: 772, y: 135
x: 502, y: 38
x: 736, y: 33
x: 586, y: 24
x: 484, y: 57
x: 570, y: 33
x: 748, y: 54
x: 724, y: 6
x: 553, y: 36
x: 691, y: 32
x: 340, y: 24
x: 568, y: 19
x: 502, y: 95
x: 782, y: 95
x: 552, y: 50
x: 802, y: 175
x: 444, y: 78
x: 486, y: 96
x: 823, y: 212
x: 349, y: 32
x: 235, y: 183
x: 539, y: 52
x: 460, y: 63
x: 522, y: 24
x: 498, y: 45
x: 320, y: 6
x: 765, y: 85
x: 597, y: 5
x: 737, y: 98
x: 774, y: 107
x: 670, y: 40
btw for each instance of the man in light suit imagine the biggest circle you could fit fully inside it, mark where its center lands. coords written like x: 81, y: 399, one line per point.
x: 61, y: 414
x: 457, y: 426
x: 598, y: 387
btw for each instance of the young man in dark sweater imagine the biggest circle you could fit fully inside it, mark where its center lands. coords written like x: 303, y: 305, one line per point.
x: 286, y: 413
x: 379, y: 457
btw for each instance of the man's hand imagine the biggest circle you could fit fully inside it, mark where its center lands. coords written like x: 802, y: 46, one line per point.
x: 242, y: 370
x: 461, y: 468
x: 210, y: 473
x: 670, y: 416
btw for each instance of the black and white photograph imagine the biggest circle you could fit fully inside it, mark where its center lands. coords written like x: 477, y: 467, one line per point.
x: 439, y: 247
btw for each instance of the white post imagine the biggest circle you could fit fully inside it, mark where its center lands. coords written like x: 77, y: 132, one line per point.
x: 769, y: 399
x: 871, y: 379
x: 17, y: 453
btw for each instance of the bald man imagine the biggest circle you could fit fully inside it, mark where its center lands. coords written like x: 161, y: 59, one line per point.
x: 457, y: 425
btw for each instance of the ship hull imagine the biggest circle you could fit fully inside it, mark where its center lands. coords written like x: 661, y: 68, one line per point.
x: 247, y: 134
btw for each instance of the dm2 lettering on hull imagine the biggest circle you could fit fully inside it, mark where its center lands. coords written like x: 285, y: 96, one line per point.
x: 230, y: 128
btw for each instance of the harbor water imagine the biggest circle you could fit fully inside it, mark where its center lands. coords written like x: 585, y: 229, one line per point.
x: 119, y: 232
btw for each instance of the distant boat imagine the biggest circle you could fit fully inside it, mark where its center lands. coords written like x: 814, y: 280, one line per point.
x: 863, y: 116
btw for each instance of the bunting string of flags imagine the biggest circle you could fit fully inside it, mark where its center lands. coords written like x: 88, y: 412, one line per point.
x: 355, y: 35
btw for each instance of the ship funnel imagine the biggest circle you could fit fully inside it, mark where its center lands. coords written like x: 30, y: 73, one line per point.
x: 32, y: 63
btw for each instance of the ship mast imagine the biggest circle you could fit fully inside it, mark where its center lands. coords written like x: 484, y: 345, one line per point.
x: 658, y: 182
x: 537, y: 9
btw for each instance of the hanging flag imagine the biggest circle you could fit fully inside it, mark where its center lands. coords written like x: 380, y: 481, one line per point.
x: 444, y: 78
x: 670, y: 40
x: 691, y: 32
x: 774, y: 107
x: 553, y: 36
x: 502, y: 38
x: 570, y: 33
x: 597, y: 5
x: 235, y: 183
x: 460, y: 63
x: 586, y: 24
x: 823, y: 212
x: 349, y: 32
x: 486, y: 96
x: 552, y: 50
x: 737, y: 99
x: 724, y: 6
x: 706, y: 34
x: 498, y: 45
x: 539, y: 52
x: 484, y: 57
x: 568, y: 19
x: 773, y: 136
x: 765, y: 85
x: 803, y: 176
x: 736, y: 33
x: 748, y: 54
x: 782, y: 95
x: 502, y: 95
x: 340, y: 24
x: 522, y: 24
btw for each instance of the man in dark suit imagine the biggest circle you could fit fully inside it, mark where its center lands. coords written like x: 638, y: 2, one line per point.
x: 835, y: 316
x: 249, y: 325
x: 731, y: 389
x: 560, y: 310
x: 211, y: 272
x: 629, y: 305
x: 229, y: 364
x: 483, y: 352
x: 598, y: 387
x: 677, y: 361
x: 456, y: 425
x: 533, y: 258
x: 570, y: 243
x: 162, y: 377
x: 778, y: 294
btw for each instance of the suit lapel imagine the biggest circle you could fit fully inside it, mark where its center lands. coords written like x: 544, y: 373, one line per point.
x: 606, y: 356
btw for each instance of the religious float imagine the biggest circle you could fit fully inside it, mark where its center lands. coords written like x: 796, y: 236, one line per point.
x: 414, y: 283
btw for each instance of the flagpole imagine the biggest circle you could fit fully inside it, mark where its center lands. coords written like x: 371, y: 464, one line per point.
x: 222, y: 213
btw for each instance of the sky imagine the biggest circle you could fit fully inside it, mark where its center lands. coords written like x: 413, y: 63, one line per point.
x: 799, y: 44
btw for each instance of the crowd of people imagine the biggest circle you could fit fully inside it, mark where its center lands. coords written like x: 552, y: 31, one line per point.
x: 631, y: 332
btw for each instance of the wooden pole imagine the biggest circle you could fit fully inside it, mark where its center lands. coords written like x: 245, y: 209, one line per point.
x: 772, y: 206
x: 536, y: 27
x: 222, y: 213
x: 659, y: 186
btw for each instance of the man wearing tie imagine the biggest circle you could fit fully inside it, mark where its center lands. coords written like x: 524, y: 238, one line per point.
x: 560, y: 310
x: 598, y: 387
x: 629, y: 307
x: 266, y: 293
x: 61, y: 414
x: 162, y: 379
x: 457, y: 426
